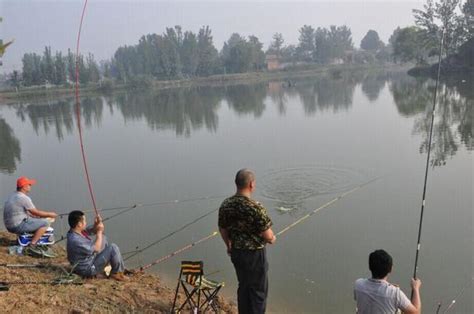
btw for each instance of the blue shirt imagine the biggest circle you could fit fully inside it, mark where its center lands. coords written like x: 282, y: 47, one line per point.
x: 80, y: 251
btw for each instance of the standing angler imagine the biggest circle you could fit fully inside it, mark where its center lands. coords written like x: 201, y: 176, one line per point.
x: 20, y: 215
x: 246, y: 228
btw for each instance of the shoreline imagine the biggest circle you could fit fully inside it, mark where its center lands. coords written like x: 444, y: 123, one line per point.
x: 144, y: 292
x: 41, y: 92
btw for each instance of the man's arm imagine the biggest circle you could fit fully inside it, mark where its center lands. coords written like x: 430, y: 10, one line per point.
x: 225, y: 237
x: 268, y: 236
x: 41, y: 213
x: 99, y: 228
x: 415, y: 306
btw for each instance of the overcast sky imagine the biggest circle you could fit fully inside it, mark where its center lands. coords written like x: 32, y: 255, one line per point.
x: 109, y: 24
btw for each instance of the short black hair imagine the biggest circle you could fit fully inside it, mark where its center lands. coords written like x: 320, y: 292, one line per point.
x: 243, y: 178
x: 380, y: 264
x: 74, y: 218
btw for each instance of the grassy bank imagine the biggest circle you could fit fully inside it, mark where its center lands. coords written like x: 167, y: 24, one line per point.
x: 29, y: 93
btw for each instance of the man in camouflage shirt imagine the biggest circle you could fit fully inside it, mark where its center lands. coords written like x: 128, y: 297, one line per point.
x: 246, y: 228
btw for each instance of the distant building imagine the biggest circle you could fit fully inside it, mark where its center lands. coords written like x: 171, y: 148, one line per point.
x: 272, y: 62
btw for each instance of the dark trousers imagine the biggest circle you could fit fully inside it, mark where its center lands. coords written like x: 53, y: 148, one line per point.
x: 251, y: 267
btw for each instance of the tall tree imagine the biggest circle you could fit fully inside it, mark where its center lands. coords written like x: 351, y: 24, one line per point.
x: 407, y: 45
x: 277, y: 43
x: 208, y: 55
x: 306, y: 46
x: 371, y: 41
x: 443, y: 15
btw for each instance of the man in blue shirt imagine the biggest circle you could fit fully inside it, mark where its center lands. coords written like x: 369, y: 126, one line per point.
x: 87, y: 256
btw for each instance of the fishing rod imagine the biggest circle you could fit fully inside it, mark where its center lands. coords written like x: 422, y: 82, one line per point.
x: 324, y: 206
x: 138, y: 251
x: 184, y: 248
x: 210, y: 198
x: 453, y: 302
x: 428, y: 160
x: 189, y: 246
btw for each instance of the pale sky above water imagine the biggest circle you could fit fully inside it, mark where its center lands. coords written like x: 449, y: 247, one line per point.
x: 110, y: 24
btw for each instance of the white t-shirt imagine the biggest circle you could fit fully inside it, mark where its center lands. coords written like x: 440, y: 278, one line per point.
x: 15, y: 210
x: 379, y: 296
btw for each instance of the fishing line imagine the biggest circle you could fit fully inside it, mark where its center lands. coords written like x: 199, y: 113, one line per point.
x: 152, y: 204
x: 185, y: 248
x: 210, y: 236
x: 324, y: 206
x: 428, y: 160
x: 138, y: 251
x: 453, y: 302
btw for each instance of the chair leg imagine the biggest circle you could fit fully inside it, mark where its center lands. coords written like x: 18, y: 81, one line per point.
x: 176, y: 293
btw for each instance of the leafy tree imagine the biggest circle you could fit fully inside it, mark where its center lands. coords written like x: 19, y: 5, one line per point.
x: 306, y: 45
x: 371, y: 41
x: 59, y: 69
x: 443, y: 15
x: 15, y: 79
x: 47, y: 66
x: 277, y: 44
x: 408, y: 46
x: 208, y: 55
x: 189, y: 53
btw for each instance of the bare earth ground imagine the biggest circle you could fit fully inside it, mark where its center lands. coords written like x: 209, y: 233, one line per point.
x: 143, y: 293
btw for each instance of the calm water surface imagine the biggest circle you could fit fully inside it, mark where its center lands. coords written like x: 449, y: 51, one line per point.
x: 307, y: 142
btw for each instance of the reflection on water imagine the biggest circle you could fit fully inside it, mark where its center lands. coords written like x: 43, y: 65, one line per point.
x: 187, y: 109
x: 453, y: 119
x: 10, y: 150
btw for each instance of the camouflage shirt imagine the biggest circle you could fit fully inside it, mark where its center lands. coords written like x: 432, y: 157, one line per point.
x: 244, y: 219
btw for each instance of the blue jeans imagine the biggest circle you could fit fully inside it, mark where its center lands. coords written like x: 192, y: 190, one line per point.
x: 30, y: 225
x: 109, y: 254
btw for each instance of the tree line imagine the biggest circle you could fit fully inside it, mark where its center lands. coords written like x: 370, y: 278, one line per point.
x: 178, y: 54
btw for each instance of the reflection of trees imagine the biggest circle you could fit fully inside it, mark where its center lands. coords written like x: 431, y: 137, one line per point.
x: 60, y: 115
x: 246, y: 99
x: 178, y: 109
x: 10, y: 151
x: 325, y: 93
x: 453, y: 120
x: 373, y: 84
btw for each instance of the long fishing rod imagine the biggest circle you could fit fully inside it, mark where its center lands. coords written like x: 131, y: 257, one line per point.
x: 210, y: 198
x: 324, y: 206
x: 138, y: 251
x: 78, y: 112
x: 189, y: 246
x: 185, y: 248
x: 428, y: 160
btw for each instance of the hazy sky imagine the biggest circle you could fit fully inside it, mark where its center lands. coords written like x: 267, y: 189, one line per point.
x: 109, y: 24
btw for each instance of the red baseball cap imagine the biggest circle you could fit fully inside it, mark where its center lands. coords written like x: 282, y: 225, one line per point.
x: 22, y: 181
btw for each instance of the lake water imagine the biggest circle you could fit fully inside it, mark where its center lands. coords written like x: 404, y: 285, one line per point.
x: 308, y: 140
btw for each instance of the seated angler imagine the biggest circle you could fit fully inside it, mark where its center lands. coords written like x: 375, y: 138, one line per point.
x: 21, y: 216
x: 89, y: 257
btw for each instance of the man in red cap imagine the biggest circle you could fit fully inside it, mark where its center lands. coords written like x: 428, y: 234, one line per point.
x: 20, y: 214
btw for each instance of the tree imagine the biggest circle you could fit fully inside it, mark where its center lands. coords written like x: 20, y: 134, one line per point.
x: 59, y: 69
x: 306, y: 46
x: 15, y: 79
x: 208, y: 55
x: 371, y: 41
x: 47, y: 66
x: 189, y: 53
x: 438, y: 16
x: 408, y: 46
x: 277, y: 44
